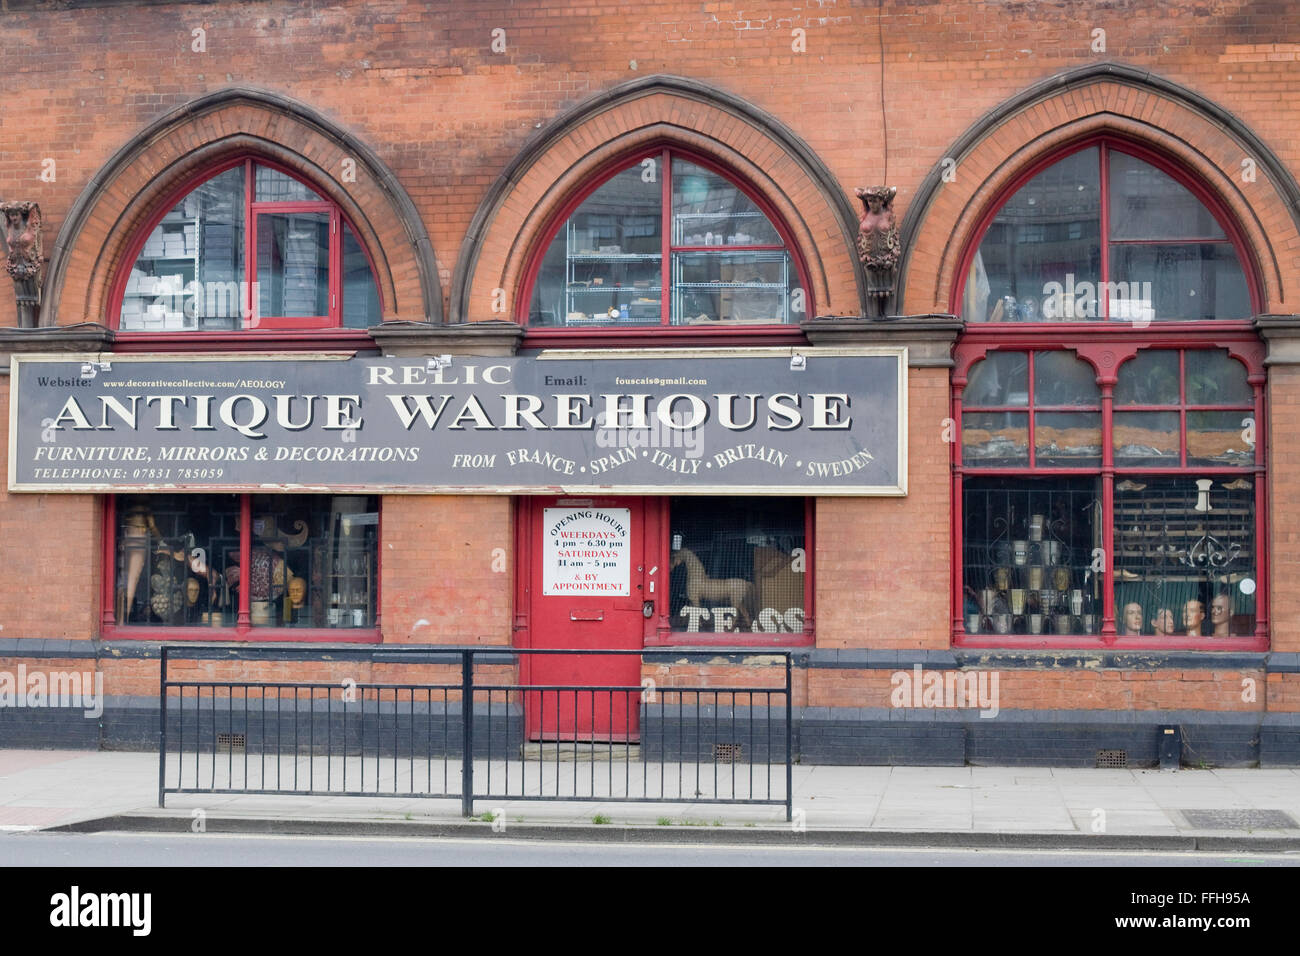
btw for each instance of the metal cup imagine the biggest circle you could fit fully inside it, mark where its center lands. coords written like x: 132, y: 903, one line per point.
x: 1020, y: 552
x: 1089, y: 623
x: 1062, y: 624
x: 1035, y: 624
x: 1035, y: 579
x: 1017, y: 600
x: 1076, y: 602
x: 988, y: 597
x: 972, y: 623
x: 1053, y: 551
x: 1061, y: 578
x: 1002, y: 623
x: 1036, y: 528
x: 1002, y: 578
x: 1047, y: 599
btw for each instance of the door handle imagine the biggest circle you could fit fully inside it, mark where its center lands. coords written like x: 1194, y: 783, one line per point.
x: 648, y: 609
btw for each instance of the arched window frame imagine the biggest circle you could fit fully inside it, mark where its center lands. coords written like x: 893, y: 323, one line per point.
x: 1106, y: 346
x: 664, y: 152
x: 1106, y: 143
x: 288, y: 329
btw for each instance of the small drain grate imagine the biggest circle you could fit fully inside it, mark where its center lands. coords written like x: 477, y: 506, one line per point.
x: 728, y: 753
x: 230, y: 741
x: 1239, y: 819
x: 1112, y: 758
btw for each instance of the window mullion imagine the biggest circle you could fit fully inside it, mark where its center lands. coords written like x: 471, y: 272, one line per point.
x: 1182, y: 408
x: 244, y: 620
x: 1103, y: 300
x: 1033, y: 458
x: 251, y: 306
x: 665, y: 240
x: 1107, y: 516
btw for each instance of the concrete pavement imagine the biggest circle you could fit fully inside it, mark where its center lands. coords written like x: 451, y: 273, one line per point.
x: 905, y: 806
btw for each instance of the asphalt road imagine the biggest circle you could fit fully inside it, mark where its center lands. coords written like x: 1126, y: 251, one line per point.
x: 212, y: 849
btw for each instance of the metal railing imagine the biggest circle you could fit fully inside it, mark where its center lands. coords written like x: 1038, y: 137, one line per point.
x: 471, y: 736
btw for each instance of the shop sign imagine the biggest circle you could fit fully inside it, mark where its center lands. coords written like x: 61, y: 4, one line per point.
x: 585, y: 551
x: 757, y: 421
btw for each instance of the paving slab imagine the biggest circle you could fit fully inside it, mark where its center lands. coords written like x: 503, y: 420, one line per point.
x: 980, y: 806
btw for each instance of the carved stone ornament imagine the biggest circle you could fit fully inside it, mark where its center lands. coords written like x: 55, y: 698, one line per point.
x: 879, y: 246
x: 25, y: 258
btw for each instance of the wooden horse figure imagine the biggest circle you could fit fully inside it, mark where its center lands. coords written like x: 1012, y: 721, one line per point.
x: 725, y: 592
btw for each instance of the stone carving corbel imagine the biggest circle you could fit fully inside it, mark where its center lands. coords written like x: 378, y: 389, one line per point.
x: 25, y: 260
x: 879, y: 246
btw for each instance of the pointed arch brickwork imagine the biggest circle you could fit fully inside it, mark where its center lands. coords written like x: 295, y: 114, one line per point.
x: 511, y: 219
x: 99, y: 227
x: 1126, y: 102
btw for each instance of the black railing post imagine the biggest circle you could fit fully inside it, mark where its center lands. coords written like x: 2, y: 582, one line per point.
x: 162, y: 725
x: 467, y: 733
x: 789, y: 738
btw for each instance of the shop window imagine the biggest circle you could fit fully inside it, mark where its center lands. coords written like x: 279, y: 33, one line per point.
x: 250, y: 247
x: 737, y: 565
x: 1105, y: 234
x: 312, y: 561
x: 666, y: 241
x: 1028, y: 555
x: 1148, y: 501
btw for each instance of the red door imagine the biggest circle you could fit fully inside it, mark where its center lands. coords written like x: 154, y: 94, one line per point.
x: 586, y: 591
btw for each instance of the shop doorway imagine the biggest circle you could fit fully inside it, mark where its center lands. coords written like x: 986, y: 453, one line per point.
x: 585, y: 591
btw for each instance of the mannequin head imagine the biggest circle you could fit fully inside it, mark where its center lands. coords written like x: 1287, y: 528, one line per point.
x: 1131, y: 620
x: 1221, y: 614
x: 1193, y: 617
x: 1163, y: 622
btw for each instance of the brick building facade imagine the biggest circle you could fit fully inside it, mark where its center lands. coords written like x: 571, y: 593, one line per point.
x: 453, y: 145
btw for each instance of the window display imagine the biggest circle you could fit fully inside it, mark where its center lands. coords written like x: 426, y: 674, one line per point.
x: 1164, y: 255
x: 312, y: 561
x: 618, y: 260
x: 1185, y: 556
x: 737, y: 565
x: 1029, y: 548
x: 250, y: 247
x: 1044, y: 528
x: 172, y: 553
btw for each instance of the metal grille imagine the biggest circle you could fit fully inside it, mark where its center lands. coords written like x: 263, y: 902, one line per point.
x: 1239, y: 819
x: 1112, y: 758
x: 737, y: 565
x: 1029, y: 546
x: 728, y: 753
x: 230, y: 741
x: 1181, y: 540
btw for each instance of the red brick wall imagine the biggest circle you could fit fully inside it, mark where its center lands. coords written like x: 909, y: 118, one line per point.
x: 420, y: 83
x: 883, y: 564
x: 1284, y: 493
x: 447, y: 569
x: 50, y: 549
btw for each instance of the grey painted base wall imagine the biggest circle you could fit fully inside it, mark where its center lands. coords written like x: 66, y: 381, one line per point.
x: 838, y: 736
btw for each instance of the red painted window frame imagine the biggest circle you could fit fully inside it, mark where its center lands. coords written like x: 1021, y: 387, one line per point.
x: 243, y: 630
x: 664, y: 333
x: 1106, y: 345
x: 657, y: 540
x: 1105, y: 143
x: 280, y: 331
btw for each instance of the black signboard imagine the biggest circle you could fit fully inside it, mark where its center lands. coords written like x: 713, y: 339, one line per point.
x: 758, y: 421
